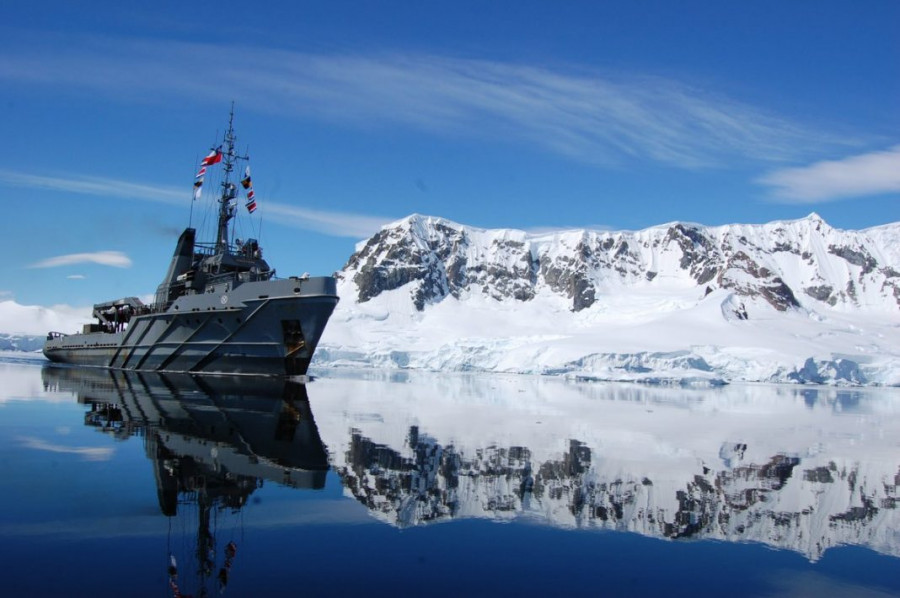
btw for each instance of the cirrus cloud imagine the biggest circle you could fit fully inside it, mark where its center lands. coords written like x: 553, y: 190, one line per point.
x: 337, y: 224
x: 116, y: 259
x: 97, y: 186
x: 580, y: 113
x: 873, y: 173
x: 332, y: 223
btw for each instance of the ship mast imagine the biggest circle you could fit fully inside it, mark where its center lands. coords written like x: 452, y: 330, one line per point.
x: 229, y: 189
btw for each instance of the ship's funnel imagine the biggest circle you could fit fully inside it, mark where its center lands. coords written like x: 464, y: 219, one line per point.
x: 181, y: 263
x: 184, y: 253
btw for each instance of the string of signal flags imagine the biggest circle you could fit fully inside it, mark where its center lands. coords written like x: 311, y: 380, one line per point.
x: 214, y: 157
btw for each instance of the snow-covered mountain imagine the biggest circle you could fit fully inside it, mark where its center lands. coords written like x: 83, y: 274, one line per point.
x: 785, y: 301
x: 782, y: 263
x: 21, y: 342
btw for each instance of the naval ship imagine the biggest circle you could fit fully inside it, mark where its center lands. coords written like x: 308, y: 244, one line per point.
x: 219, y: 310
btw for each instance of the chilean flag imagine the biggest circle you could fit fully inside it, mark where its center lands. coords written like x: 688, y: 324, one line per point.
x: 214, y: 157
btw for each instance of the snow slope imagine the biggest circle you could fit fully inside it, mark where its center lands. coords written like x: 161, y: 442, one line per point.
x: 795, y: 301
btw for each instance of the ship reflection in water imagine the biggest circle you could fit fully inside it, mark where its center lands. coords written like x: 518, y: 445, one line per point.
x: 811, y: 472
x: 212, y: 441
x: 197, y: 427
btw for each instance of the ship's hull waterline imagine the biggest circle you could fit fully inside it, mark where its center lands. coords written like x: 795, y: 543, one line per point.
x: 240, y: 332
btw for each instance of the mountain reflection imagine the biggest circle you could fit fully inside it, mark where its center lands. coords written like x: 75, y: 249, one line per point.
x: 794, y: 468
x: 738, y: 504
x: 790, y: 467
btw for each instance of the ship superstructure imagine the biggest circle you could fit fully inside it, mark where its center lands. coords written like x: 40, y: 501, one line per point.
x: 220, y: 309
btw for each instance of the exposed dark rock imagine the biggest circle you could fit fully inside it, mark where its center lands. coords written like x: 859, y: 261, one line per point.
x: 698, y: 253
x: 855, y: 257
x: 822, y: 293
x: 704, y: 275
x: 787, y: 248
x: 863, y: 513
x: 769, y: 287
x: 569, y: 276
x: 821, y: 475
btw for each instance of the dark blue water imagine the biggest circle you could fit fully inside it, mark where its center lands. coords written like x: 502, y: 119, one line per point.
x: 441, y: 487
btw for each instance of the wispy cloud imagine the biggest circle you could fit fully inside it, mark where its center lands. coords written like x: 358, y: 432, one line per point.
x: 76, y: 277
x: 856, y: 176
x: 85, y: 452
x: 338, y: 224
x: 584, y: 115
x: 116, y: 259
x: 96, y: 186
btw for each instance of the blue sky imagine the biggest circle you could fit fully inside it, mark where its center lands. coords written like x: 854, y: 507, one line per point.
x: 529, y: 115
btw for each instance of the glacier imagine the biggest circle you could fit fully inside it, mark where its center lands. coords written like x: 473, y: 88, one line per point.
x: 681, y: 304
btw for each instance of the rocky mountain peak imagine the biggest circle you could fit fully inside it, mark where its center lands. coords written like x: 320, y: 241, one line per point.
x: 781, y: 265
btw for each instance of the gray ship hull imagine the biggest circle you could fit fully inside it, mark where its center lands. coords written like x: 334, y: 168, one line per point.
x: 256, y: 328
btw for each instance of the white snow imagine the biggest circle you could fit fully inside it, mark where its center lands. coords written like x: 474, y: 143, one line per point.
x: 543, y: 337
x: 667, y: 329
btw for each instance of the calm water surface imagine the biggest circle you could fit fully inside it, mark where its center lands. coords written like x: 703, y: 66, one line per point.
x: 142, y: 485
